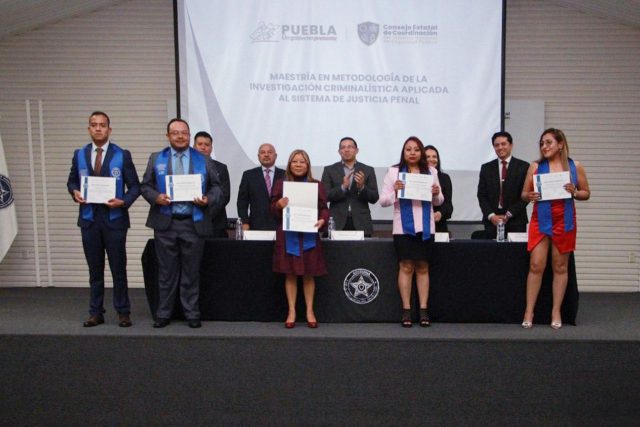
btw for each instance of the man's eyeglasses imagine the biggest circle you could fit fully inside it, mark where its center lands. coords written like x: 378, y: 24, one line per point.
x: 179, y: 132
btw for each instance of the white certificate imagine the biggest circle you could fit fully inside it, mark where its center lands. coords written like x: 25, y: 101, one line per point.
x: 301, y: 213
x: 183, y: 188
x: 551, y: 185
x: 417, y: 186
x: 301, y: 194
x: 297, y: 218
x: 98, y: 189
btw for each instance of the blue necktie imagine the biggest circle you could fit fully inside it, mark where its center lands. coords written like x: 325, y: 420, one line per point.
x: 181, y: 208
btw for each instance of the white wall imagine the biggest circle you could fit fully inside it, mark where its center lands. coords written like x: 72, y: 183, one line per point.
x: 121, y: 60
x: 585, y: 69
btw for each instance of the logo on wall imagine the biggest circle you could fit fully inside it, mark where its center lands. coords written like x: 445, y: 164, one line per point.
x: 368, y: 32
x: 264, y: 33
x: 361, y: 286
x: 6, y: 193
x: 267, y: 32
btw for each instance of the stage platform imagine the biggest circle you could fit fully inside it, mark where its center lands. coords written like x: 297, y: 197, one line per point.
x: 55, y: 372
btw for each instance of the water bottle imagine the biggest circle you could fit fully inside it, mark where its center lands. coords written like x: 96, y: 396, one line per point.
x: 331, y: 226
x: 238, y: 229
x: 500, y: 237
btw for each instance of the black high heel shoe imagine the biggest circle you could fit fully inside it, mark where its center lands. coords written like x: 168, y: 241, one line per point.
x: 424, y: 318
x: 406, y: 318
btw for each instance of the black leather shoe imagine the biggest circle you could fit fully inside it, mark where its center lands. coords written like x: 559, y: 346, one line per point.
x: 195, y: 323
x: 161, y: 323
x: 94, y: 320
x: 124, y: 320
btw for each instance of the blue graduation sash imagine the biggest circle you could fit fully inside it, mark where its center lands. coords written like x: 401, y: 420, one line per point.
x: 292, y: 240
x: 161, y: 166
x: 406, y: 214
x: 544, y: 207
x: 115, y: 170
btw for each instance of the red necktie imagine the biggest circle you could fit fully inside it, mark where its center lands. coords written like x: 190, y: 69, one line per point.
x: 503, y: 176
x: 267, y: 180
x: 98, y: 164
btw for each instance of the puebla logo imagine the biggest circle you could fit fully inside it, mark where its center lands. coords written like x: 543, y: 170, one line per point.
x: 6, y: 193
x: 361, y: 286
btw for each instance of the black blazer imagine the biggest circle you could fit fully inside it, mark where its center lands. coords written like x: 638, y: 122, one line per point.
x: 220, y: 216
x: 130, y: 178
x: 253, y: 199
x: 489, y: 193
x: 446, y: 208
x: 157, y: 220
x: 359, y: 200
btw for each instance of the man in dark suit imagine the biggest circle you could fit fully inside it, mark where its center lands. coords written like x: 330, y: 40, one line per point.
x: 350, y: 187
x: 499, y: 188
x: 254, y: 195
x: 104, y: 226
x: 203, y: 142
x: 179, y: 227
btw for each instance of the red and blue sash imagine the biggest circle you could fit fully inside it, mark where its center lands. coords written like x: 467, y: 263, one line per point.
x: 161, y: 166
x: 292, y: 239
x: 406, y: 214
x: 545, y: 222
x: 115, y: 170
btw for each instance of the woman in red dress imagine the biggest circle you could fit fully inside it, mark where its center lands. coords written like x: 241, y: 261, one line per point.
x: 553, y: 223
x: 299, y: 254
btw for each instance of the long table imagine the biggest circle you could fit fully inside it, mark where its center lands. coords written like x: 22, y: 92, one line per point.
x: 472, y: 281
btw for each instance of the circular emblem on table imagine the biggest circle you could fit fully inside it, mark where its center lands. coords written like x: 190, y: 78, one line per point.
x: 6, y: 193
x: 115, y: 172
x: 361, y: 286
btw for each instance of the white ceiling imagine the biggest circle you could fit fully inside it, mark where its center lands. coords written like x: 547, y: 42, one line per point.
x: 19, y: 16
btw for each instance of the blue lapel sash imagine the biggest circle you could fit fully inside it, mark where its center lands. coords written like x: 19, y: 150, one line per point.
x: 544, y: 207
x: 198, y: 165
x: 114, y: 161
x: 406, y: 213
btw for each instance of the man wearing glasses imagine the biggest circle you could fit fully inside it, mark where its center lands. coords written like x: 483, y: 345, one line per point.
x: 180, y: 227
x: 350, y: 187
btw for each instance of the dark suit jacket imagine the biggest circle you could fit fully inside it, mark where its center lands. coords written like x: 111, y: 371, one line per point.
x: 220, y: 216
x: 358, y: 200
x: 157, y: 220
x: 253, y: 200
x: 446, y: 208
x: 129, y: 176
x: 489, y: 194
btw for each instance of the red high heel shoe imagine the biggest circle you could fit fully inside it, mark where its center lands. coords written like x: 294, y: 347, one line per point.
x: 289, y: 325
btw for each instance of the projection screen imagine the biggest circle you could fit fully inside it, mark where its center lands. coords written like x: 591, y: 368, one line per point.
x: 305, y: 73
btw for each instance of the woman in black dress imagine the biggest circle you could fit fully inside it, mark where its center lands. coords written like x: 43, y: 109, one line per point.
x: 443, y: 212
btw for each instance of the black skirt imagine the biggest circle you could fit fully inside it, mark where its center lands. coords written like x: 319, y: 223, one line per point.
x: 413, y: 248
